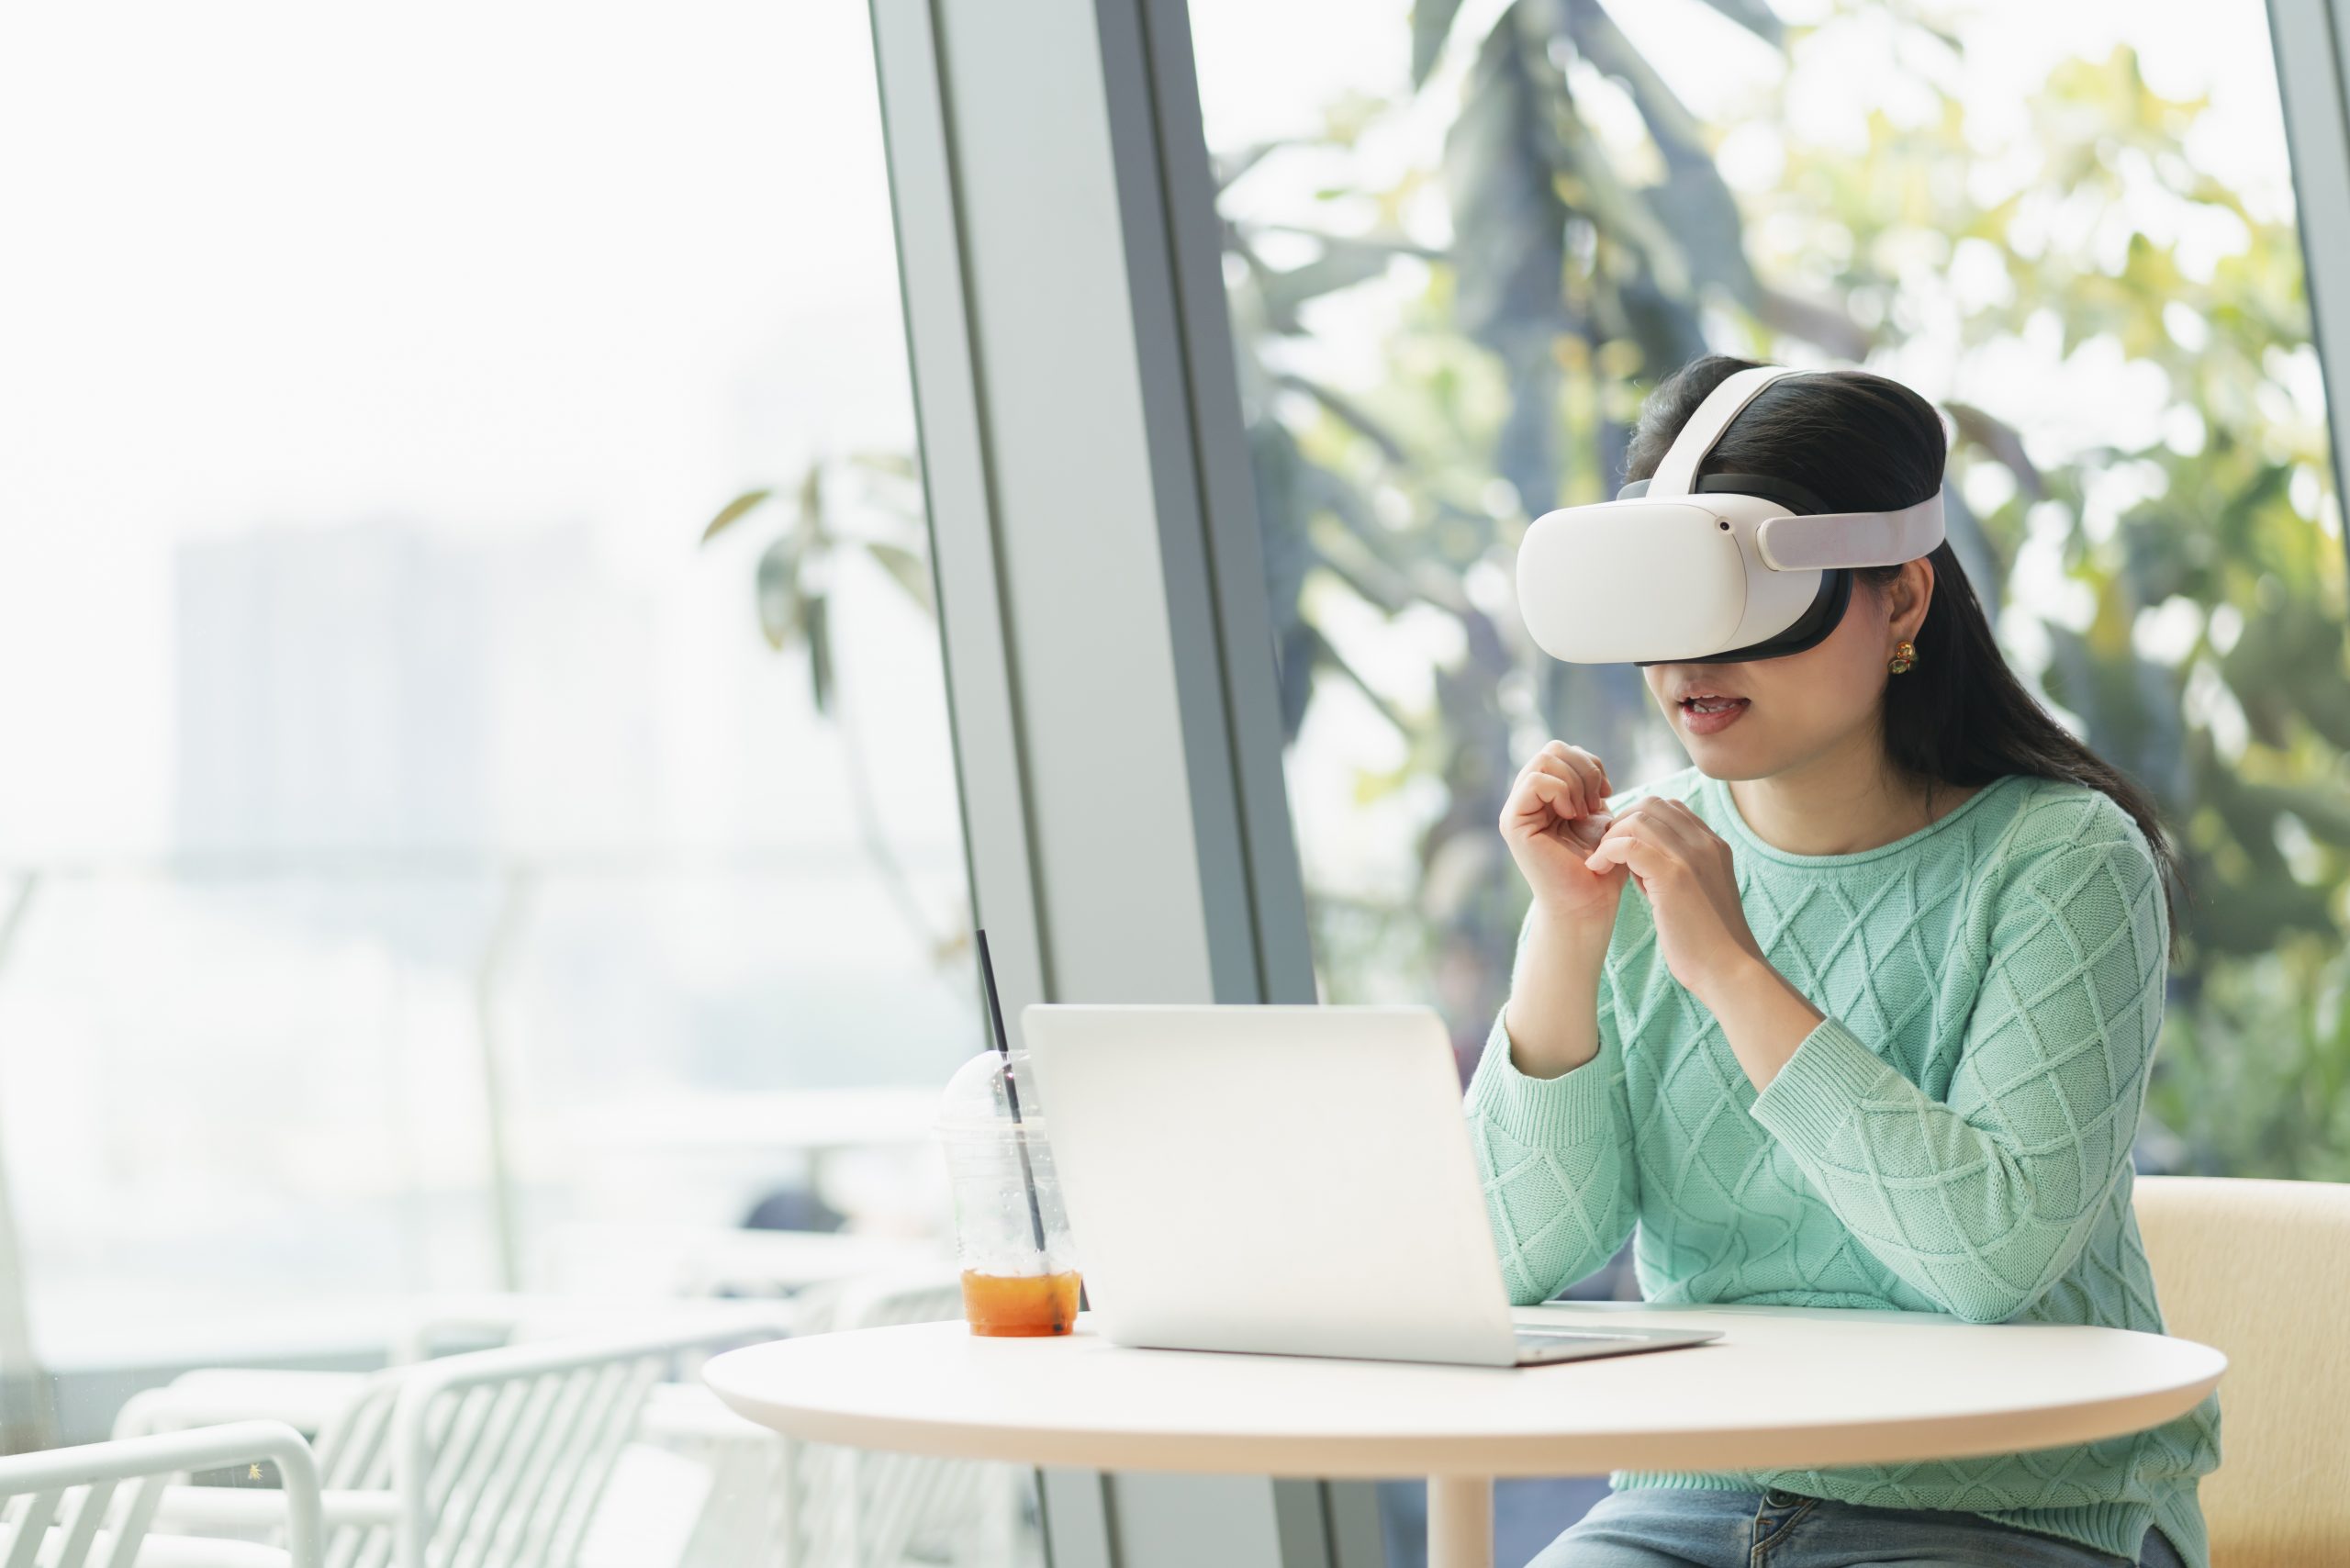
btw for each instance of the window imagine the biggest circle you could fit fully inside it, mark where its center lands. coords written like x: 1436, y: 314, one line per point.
x: 1463, y: 240
x: 427, y: 863
x: 1462, y: 246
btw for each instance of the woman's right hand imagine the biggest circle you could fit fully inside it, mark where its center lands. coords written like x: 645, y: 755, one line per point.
x: 1551, y: 822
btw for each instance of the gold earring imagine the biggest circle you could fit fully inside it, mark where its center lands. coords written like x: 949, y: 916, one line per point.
x: 1904, y: 656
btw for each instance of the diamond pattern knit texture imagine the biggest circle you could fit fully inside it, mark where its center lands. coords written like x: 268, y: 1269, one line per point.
x: 1954, y: 1138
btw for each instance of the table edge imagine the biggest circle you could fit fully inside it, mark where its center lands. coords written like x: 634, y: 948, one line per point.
x: 1339, y: 1456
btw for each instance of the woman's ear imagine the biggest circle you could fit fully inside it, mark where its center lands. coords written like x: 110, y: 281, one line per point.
x: 1907, y: 599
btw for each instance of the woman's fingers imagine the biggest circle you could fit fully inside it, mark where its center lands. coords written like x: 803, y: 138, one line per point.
x: 1577, y: 767
x: 1561, y: 793
x: 1691, y: 835
x: 1652, y: 823
x: 1579, y: 794
x: 1527, y: 802
x: 1585, y: 832
x: 1585, y: 763
x: 1671, y: 823
x: 1658, y: 836
x: 1540, y: 790
x: 1648, y: 857
x: 1547, y: 805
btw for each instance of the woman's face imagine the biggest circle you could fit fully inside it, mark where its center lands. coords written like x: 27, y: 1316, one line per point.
x: 1800, y: 707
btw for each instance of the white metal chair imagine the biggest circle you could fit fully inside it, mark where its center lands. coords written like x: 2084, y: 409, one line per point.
x: 493, y: 1459
x: 796, y: 1505
x: 779, y: 1503
x: 858, y: 1508
x: 308, y: 1400
x: 94, y: 1505
x: 770, y: 1503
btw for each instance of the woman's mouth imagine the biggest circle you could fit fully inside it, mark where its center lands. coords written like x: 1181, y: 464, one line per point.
x: 1710, y: 715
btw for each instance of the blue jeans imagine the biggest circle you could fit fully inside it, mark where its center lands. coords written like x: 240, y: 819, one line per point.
x: 1659, y: 1528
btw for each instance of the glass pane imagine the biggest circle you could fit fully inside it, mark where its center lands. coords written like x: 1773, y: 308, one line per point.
x: 436, y: 862
x: 1465, y: 241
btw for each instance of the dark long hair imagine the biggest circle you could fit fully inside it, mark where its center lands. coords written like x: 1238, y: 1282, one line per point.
x: 1863, y: 442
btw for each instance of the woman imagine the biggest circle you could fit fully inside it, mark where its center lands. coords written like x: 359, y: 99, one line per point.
x: 1874, y: 1034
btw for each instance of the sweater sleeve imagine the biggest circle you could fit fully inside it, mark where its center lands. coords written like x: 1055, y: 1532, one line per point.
x: 1555, y: 1157
x: 1985, y: 1202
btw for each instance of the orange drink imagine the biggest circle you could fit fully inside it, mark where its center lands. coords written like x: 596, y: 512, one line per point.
x: 1020, y: 1306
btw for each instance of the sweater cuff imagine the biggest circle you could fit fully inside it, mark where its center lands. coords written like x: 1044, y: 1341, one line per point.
x: 1541, y: 1113
x: 1827, y: 1079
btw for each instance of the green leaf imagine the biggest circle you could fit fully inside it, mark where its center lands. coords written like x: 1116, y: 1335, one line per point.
x: 2325, y: 814
x: 819, y: 651
x: 2247, y: 920
x: 1756, y: 18
x: 1508, y: 222
x: 911, y: 572
x: 2286, y: 666
x: 735, y: 510
x: 1694, y: 206
x: 1228, y: 167
x: 1431, y: 24
x: 1816, y: 321
x: 1329, y: 657
x: 812, y: 500
x: 1348, y: 413
x: 897, y: 465
x: 2250, y: 813
x: 782, y: 605
x: 1372, y: 582
x: 1999, y: 439
x: 1341, y: 266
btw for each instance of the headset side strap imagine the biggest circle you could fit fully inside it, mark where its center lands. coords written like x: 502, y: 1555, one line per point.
x: 1852, y: 538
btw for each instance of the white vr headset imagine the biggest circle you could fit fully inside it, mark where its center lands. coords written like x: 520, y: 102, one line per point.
x: 1682, y: 570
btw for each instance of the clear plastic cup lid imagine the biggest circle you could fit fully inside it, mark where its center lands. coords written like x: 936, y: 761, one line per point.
x: 979, y: 1098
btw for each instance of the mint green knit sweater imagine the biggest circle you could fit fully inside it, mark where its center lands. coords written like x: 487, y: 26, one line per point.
x: 1954, y: 1137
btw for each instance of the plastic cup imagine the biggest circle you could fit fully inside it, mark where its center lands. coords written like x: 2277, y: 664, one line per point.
x: 1020, y: 1275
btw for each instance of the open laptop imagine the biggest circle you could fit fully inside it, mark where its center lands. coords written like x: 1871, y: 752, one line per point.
x: 1284, y: 1179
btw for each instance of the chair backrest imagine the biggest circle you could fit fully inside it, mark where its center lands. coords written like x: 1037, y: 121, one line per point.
x: 2261, y: 1269
x: 498, y: 1458
x: 90, y: 1506
x: 929, y: 1293
x: 886, y: 1508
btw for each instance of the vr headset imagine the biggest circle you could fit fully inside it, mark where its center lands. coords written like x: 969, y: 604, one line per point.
x: 1723, y: 569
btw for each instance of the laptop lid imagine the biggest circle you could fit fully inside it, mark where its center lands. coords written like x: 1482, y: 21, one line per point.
x: 1286, y: 1178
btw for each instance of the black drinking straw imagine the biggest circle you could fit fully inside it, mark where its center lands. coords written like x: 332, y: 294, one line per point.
x: 1012, y: 1094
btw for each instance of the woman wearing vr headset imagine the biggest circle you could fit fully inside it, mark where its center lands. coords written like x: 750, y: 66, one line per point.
x: 1876, y: 1031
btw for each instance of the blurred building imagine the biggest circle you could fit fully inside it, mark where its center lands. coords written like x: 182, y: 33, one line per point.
x: 382, y: 689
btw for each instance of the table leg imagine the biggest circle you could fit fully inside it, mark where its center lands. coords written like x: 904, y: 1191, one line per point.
x: 1460, y: 1521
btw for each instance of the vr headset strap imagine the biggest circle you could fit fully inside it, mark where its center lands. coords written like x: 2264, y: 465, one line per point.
x: 1678, y: 471
x: 1810, y: 542
x: 1852, y: 538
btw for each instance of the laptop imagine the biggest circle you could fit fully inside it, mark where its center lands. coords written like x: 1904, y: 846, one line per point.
x: 1288, y: 1180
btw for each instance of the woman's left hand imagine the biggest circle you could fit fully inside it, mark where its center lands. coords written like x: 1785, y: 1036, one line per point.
x: 1684, y: 868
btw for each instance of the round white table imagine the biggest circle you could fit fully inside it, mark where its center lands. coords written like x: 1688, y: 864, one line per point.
x: 1783, y: 1386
